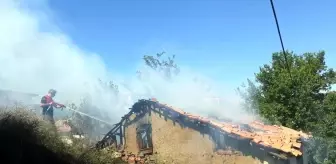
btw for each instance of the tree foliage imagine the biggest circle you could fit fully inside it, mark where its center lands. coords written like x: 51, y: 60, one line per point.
x: 327, y: 126
x: 166, y: 66
x: 323, y: 145
x: 298, y: 96
x: 292, y: 98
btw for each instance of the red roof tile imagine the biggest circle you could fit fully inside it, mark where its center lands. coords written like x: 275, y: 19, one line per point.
x: 277, y: 137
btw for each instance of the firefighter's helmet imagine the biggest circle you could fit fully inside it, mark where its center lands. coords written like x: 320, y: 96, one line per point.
x: 52, y: 91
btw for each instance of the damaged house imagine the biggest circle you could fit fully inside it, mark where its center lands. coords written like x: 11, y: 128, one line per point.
x: 180, y: 137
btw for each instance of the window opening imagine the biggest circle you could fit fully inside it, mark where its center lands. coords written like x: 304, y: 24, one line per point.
x: 144, y: 137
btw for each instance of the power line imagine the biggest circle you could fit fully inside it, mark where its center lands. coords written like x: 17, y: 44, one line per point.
x: 279, y: 33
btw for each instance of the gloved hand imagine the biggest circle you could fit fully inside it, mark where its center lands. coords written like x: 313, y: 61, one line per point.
x: 60, y: 106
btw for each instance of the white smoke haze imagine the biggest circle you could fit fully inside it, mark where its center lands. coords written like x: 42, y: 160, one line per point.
x: 34, y: 60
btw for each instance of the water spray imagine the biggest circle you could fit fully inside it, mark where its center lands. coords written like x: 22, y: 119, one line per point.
x: 92, y: 117
x: 85, y: 114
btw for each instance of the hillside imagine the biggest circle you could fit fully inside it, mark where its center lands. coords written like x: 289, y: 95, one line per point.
x: 25, y: 138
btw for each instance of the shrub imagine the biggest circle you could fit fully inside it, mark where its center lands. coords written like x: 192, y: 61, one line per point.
x: 28, y: 139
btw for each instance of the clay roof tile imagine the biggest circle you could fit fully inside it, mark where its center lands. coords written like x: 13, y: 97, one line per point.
x: 216, y: 124
x: 277, y: 137
x: 154, y: 99
x: 178, y: 110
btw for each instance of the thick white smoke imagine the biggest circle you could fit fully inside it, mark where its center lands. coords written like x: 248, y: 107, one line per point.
x: 34, y: 59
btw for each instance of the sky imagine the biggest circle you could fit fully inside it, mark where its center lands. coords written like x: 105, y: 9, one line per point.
x: 226, y: 40
x: 68, y: 45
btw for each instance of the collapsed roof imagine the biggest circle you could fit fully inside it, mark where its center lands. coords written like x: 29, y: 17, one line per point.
x: 273, y: 136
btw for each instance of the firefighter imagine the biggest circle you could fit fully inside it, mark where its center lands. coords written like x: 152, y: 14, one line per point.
x: 48, y: 104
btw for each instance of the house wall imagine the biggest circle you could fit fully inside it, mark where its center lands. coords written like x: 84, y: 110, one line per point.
x: 178, y: 144
x: 183, y: 142
x: 131, y: 125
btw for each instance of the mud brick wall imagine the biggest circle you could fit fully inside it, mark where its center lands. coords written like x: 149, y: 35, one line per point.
x: 130, y: 131
x: 174, y: 143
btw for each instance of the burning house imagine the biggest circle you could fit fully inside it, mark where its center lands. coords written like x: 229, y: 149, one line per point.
x: 180, y: 137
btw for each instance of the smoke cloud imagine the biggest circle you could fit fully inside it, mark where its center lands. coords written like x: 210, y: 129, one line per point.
x: 35, y: 56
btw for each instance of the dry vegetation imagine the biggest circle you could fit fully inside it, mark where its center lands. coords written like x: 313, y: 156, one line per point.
x: 25, y: 138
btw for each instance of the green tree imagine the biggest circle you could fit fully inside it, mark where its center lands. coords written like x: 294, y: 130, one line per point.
x: 298, y: 94
x: 291, y: 96
x: 166, y: 66
x: 327, y: 126
x: 252, y: 97
x: 323, y: 146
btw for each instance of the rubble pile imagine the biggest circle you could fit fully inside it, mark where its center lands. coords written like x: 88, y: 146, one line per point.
x: 132, y: 158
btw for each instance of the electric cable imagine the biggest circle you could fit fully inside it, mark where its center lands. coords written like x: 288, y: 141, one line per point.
x: 280, y: 37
